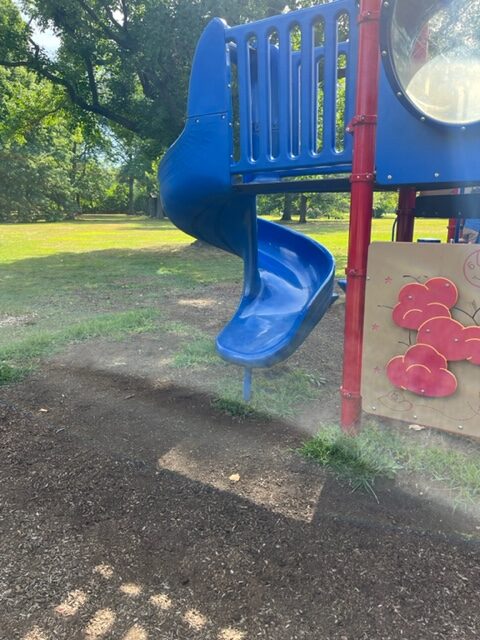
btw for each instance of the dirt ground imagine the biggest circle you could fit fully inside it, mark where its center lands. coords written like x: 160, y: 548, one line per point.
x: 131, y: 509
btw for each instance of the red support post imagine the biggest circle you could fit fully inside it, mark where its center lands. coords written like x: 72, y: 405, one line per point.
x: 361, y: 205
x: 452, y: 223
x: 451, y: 229
x: 406, y: 214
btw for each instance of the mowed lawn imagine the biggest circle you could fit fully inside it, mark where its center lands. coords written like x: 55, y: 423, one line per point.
x: 107, y: 275
x: 92, y: 233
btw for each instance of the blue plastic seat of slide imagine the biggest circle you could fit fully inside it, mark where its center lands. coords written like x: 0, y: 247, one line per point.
x: 288, y: 277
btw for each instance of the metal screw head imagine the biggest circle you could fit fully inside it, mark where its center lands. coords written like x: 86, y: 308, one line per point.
x: 384, y: 53
x: 463, y: 128
x: 399, y: 94
x: 374, y: 408
x: 386, y: 3
x: 436, y: 174
x: 460, y: 426
x: 414, y: 417
x: 389, y: 177
x: 422, y: 118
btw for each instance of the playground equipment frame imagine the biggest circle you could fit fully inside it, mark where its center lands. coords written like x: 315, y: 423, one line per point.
x: 209, y: 190
x: 361, y: 204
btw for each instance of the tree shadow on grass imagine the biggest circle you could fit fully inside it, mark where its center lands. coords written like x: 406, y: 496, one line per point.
x: 59, y: 273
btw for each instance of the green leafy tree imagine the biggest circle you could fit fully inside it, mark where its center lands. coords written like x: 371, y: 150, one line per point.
x: 51, y: 160
x: 127, y: 61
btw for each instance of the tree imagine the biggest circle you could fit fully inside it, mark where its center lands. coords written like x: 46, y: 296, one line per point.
x: 303, y: 209
x: 50, y: 157
x: 127, y: 61
x: 287, y: 207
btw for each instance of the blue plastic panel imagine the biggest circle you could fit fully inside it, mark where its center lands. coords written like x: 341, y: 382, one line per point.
x: 288, y: 278
x: 421, y: 152
x: 278, y: 90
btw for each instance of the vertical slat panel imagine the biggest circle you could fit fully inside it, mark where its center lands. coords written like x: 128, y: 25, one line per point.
x: 295, y: 137
x: 274, y: 96
x: 330, y: 81
x: 350, y: 89
x: 318, y: 59
x: 254, y: 92
x: 258, y: 106
x: 307, y: 91
x: 285, y: 100
x: 244, y: 94
x: 263, y: 94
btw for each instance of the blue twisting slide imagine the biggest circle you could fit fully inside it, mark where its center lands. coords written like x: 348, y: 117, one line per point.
x: 288, y: 277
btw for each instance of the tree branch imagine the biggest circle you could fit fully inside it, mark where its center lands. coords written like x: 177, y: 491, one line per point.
x: 91, y: 80
x: 121, y: 40
x: 102, y: 110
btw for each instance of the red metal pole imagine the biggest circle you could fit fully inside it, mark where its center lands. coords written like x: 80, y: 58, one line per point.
x: 361, y: 204
x: 452, y: 223
x: 451, y: 229
x: 406, y: 214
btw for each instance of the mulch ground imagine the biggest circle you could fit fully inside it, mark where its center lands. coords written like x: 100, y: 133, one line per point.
x: 119, y: 520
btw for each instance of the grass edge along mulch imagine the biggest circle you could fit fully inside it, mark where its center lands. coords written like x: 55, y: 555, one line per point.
x: 20, y: 358
x: 380, y: 453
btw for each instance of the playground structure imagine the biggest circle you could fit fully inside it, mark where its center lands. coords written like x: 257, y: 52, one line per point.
x: 381, y: 96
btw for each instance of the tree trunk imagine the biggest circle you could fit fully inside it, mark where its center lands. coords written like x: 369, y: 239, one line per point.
x: 303, y: 209
x: 131, y: 200
x: 287, y: 208
x: 160, y: 212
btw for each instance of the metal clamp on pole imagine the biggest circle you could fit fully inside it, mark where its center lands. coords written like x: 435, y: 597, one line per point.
x: 368, y: 16
x: 362, y: 177
x: 355, y: 273
x: 360, y: 119
x: 349, y: 395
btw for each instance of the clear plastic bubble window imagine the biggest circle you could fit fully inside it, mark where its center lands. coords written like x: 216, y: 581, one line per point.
x: 435, y: 53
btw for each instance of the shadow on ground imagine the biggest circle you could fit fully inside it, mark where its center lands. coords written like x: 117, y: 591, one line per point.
x: 122, y: 517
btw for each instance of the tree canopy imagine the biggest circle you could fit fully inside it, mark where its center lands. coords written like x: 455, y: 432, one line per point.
x: 125, y: 60
x: 84, y: 127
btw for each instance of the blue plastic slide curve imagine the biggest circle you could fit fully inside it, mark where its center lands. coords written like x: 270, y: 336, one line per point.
x: 295, y: 289
x: 288, y: 278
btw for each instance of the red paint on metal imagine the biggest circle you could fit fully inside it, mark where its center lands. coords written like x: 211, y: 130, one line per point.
x: 361, y: 205
x: 452, y: 223
x: 451, y: 229
x: 406, y: 214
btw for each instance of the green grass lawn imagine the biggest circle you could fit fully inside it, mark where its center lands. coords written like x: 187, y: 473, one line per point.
x: 58, y: 276
x: 108, y: 275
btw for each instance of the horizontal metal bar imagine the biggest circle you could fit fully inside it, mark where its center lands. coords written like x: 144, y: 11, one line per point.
x: 329, y: 185
x: 338, y: 185
x: 448, y: 206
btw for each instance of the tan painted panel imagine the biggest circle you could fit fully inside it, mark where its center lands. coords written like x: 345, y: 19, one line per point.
x: 390, y: 267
